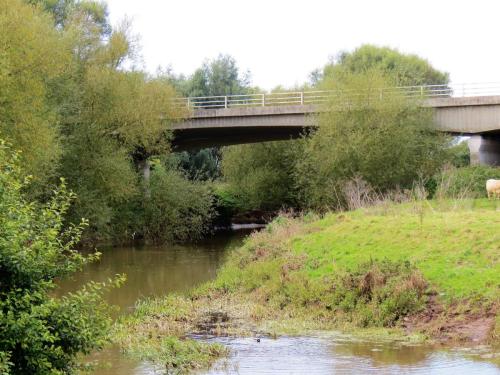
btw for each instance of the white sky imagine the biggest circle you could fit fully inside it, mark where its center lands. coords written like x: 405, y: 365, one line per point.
x: 282, y: 41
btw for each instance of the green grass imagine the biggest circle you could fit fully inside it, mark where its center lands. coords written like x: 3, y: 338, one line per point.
x: 175, y: 354
x: 457, y: 250
x: 364, y: 271
x: 368, y: 268
x: 157, y: 332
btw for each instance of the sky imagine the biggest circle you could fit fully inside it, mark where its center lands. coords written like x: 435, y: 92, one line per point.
x: 281, y: 41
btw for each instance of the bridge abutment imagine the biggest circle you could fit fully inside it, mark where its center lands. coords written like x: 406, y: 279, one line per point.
x: 485, y: 149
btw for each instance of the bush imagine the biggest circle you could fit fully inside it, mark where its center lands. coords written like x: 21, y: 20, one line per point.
x: 171, y: 208
x: 177, y: 209
x: 226, y: 205
x: 466, y: 182
x: 41, y: 334
x: 379, y: 293
x: 260, y: 176
x: 460, y: 155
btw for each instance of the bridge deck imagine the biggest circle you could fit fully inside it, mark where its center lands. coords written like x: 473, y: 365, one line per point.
x: 247, y: 124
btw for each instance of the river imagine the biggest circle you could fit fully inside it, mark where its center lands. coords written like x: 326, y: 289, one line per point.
x: 156, y: 271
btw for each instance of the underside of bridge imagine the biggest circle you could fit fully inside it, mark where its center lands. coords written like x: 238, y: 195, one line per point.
x: 192, y: 139
x: 223, y: 127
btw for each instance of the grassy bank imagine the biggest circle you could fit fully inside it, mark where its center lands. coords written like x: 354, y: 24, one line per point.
x: 422, y: 270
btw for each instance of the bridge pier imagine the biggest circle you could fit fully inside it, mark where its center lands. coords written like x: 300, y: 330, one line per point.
x: 485, y: 149
x: 145, y: 169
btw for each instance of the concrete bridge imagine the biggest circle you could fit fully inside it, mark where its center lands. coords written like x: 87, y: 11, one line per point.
x: 237, y: 119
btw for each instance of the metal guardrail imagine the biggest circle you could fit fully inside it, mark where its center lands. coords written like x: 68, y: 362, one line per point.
x: 316, y: 97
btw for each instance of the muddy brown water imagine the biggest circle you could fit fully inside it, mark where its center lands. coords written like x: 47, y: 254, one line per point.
x: 156, y: 271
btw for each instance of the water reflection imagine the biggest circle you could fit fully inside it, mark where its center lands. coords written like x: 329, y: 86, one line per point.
x: 338, y: 355
x: 112, y: 362
x: 393, y: 358
x: 151, y: 271
x: 382, y: 354
x: 154, y: 270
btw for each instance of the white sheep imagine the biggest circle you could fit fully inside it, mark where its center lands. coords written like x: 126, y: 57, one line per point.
x: 493, y: 188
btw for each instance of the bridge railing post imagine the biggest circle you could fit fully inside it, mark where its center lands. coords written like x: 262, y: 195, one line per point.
x: 225, y: 101
x: 302, y: 97
x: 263, y: 100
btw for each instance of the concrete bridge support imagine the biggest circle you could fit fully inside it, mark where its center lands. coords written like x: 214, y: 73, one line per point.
x: 485, y: 149
x: 145, y: 168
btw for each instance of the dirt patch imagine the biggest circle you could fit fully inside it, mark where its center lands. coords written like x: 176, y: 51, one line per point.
x: 213, y: 323
x: 221, y: 315
x: 456, y: 323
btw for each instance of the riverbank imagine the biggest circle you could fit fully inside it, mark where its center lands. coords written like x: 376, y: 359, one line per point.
x: 421, y: 271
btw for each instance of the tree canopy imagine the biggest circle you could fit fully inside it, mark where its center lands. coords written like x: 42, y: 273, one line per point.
x: 72, y: 103
x: 404, y: 69
x: 219, y: 76
x: 63, y: 10
x: 388, y: 141
x: 33, y: 55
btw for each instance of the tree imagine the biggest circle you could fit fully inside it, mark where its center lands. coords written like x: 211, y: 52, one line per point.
x: 123, y: 119
x: 178, y: 209
x: 72, y: 105
x: 42, y: 334
x: 102, y: 172
x: 388, y: 141
x: 220, y: 76
x: 63, y: 10
x: 260, y: 176
x: 33, y: 55
x: 405, y: 69
x: 307, y: 172
x: 202, y: 165
x: 217, y: 77
x: 112, y: 121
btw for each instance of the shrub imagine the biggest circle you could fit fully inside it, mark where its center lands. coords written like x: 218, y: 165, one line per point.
x: 379, y: 293
x: 260, y: 176
x: 41, y: 334
x: 226, y: 205
x: 4, y: 363
x: 459, y: 155
x: 466, y: 182
x: 177, y: 209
